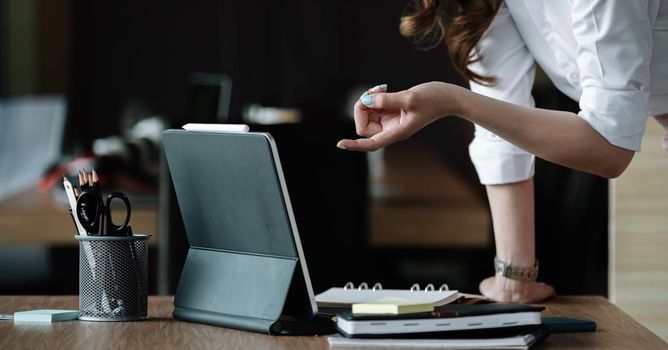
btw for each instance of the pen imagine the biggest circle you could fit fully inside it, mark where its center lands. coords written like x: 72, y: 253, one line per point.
x: 69, y: 191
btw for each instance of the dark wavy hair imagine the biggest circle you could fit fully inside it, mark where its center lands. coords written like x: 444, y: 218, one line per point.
x: 458, y: 23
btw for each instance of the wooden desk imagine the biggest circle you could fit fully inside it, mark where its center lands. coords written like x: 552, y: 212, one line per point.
x: 616, y: 330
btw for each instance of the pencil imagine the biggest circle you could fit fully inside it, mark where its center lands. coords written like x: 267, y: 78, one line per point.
x: 84, y: 179
x: 73, y: 206
x: 81, y: 179
x: 94, y: 176
x: 96, y: 181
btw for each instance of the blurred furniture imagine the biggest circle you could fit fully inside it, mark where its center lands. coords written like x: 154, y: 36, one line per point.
x: 209, y: 96
x: 429, y: 221
x: 616, y: 330
x: 423, y: 202
x: 38, y: 252
x: 36, y: 218
x: 328, y: 191
x: 31, y: 136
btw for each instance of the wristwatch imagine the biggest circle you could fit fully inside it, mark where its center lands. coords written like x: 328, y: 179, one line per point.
x: 516, y: 272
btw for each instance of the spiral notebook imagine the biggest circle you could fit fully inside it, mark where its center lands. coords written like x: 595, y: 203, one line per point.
x: 337, y: 297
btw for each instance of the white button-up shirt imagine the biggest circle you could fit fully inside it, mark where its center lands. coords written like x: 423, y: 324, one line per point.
x: 610, y: 55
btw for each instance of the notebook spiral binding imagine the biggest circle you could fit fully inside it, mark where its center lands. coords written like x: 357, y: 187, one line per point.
x: 377, y: 286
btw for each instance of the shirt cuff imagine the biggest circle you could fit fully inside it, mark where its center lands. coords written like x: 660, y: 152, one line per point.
x: 618, y: 115
x: 498, y: 161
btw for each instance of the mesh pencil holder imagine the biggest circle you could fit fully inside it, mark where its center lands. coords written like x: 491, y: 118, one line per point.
x: 113, y: 274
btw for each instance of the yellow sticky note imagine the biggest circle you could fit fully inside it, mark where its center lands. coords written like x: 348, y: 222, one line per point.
x: 393, y: 306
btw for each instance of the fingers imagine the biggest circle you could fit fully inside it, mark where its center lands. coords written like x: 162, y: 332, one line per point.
x: 372, y: 143
x: 385, y: 100
x: 367, y: 95
x: 367, y: 121
x: 377, y: 88
x: 356, y: 145
x: 367, y: 113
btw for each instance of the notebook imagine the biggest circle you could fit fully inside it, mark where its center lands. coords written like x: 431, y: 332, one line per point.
x: 344, y: 297
x: 522, y: 340
x: 444, y: 319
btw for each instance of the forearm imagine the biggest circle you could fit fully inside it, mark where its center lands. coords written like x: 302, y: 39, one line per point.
x: 557, y: 136
x: 514, y: 234
x: 512, y: 207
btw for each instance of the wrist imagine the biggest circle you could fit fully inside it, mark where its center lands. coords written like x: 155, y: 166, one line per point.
x: 445, y: 99
x: 456, y: 104
x: 513, y: 255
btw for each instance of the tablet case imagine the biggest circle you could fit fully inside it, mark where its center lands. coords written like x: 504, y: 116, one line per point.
x: 245, y: 268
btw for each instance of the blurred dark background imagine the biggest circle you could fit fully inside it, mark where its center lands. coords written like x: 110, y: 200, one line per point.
x: 301, y: 54
x: 116, y: 63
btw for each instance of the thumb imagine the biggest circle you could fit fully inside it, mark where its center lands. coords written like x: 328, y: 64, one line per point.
x: 384, y: 100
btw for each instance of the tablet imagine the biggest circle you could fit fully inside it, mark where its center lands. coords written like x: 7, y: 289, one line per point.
x: 245, y: 266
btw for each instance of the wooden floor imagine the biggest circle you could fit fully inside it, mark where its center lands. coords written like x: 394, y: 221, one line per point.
x: 639, y: 235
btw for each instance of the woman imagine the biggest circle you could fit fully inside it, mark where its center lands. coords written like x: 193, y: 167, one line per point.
x: 608, y: 55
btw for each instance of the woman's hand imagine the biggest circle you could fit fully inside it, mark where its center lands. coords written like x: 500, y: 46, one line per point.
x: 505, y: 290
x: 383, y: 118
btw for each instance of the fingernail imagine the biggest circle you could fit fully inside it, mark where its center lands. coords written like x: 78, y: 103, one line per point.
x: 340, y: 145
x: 367, y: 100
x: 381, y: 87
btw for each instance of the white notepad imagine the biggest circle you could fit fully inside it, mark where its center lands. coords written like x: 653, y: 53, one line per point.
x: 343, y: 298
x: 46, y: 315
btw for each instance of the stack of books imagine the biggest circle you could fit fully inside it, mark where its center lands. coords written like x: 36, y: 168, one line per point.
x: 396, y: 322
x: 430, y: 319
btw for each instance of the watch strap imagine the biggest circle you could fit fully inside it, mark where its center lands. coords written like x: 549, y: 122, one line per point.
x: 521, y: 273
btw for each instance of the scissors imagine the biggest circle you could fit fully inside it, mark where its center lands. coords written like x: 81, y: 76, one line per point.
x: 95, y: 214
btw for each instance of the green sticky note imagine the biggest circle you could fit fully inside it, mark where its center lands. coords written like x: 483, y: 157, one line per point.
x: 46, y: 315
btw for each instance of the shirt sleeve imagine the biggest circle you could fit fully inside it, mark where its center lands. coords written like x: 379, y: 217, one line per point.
x: 613, y: 56
x: 505, y: 57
